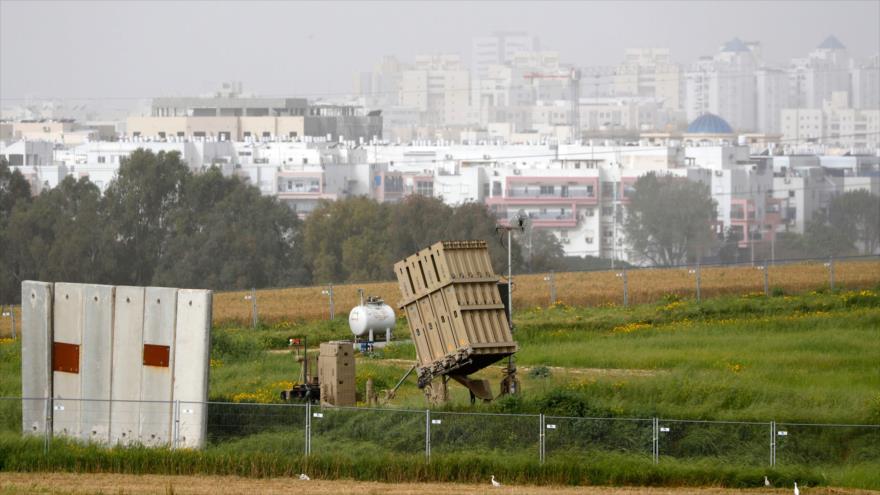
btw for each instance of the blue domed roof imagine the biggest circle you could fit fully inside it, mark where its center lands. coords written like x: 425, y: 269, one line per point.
x: 831, y: 43
x: 734, y: 45
x: 709, y: 124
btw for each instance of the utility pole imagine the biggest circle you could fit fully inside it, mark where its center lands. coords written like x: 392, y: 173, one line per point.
x: 517, y: 223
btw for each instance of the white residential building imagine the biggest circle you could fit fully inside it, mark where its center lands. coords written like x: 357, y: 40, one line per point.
x: 835, y: 124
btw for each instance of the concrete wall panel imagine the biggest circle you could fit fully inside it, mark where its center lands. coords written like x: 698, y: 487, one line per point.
x: 160, y: 318
x: 97, y: 361
x: 68, y: 328
x: 192, y: 358
x: 36, y: 345
x: 128, y: 338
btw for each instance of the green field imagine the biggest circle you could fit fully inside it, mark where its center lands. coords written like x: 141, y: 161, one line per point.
x: 811, y: 358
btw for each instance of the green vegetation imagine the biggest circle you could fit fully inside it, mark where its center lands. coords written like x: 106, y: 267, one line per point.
x: 28, y: 455
x: 811, y: 358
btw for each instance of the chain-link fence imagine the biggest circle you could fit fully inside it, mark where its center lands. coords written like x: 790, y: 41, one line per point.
x: 357, y: 433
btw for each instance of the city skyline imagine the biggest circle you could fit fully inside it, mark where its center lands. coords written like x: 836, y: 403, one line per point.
x: 96, y: 50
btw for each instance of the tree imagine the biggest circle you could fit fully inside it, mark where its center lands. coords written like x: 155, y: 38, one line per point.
x: 346, y: 240
x: 670, y: 219
x: 475, y: 221
x: 822, y: 238
x: 61, y: 235
x: 139, y: 203
x: 225, y: 235
x: 15, y: 192
x: 415, y: 223
x: 856, y: 215
x: 545, y: 252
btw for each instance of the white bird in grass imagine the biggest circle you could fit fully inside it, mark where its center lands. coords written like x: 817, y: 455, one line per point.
x: 766, y: 481
x: 304, y: 477
x: 796, y: 491
x: 495, y: 483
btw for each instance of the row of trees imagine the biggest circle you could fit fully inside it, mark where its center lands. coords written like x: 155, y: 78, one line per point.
x: 670, y: 222
x: 160, y: 224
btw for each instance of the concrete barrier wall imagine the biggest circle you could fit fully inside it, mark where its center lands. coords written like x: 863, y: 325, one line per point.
x: 66, y: 383
x: 97, y: 361
x: 192, y: 362
x: 36, y: 342
x: 126, y: 380
x: 116, y: 360
x: 160, y: 319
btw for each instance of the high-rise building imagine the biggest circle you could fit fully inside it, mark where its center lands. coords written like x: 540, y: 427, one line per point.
x: 499, y: 49
x: 725, y: 85
x: 866, y: 84
x: 772, y: 95
x: 824, y: 71
x: 439, y: 87
x: 649, y: 72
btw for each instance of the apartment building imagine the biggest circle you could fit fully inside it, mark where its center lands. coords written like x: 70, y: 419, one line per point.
x: 836, y: 123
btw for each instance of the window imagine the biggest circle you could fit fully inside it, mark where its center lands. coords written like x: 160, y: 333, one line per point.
x: 496, y: 188
x: 607, y: 211
x: 180, y: 134
x: 102, y: 159
x: 247, y: 134
x: 267, y: 134
x: 589, y: 240
x: 588, y: 212
x: 292, y: 134
x: 548, y: 189
x: 425, y: 188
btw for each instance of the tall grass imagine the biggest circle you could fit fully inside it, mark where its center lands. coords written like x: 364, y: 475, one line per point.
x: 28, y: 455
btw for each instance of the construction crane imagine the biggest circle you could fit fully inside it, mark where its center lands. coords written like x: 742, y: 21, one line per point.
x: 574, y: 78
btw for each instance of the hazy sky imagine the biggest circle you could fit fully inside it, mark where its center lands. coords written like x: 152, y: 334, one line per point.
x: 143, y: 49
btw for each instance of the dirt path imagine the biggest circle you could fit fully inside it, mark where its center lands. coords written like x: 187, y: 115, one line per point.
x: 67, y: 483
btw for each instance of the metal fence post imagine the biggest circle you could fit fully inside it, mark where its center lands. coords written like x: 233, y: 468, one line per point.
x: 308, y: 432
x: 766, y: 279
x: 656, y: 442
x: 47, y: 434
x: 427, y: 435
x: 542, y: 446
x: 697, y: 278
x: 329, y: 293
x: 831, y: 271
x: 175, y: 443
x: 623, y: 276
x: 772, y: 443
x: 551, y: 281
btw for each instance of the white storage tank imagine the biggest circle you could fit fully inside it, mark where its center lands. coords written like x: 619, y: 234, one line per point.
x: 373, y: 315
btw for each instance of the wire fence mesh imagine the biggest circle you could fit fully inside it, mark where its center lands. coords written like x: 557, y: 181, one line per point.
x: 573, y: 437
x: 357, y: 432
